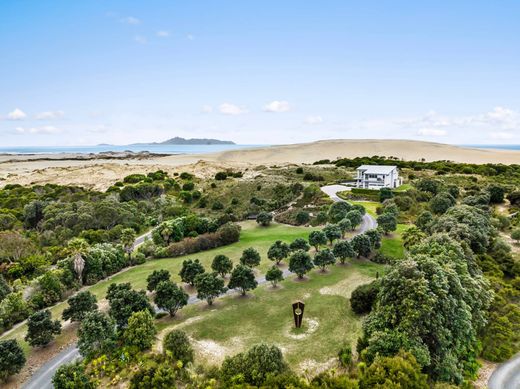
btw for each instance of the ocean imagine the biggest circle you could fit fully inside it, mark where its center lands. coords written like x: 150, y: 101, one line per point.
x: 158, y: 149
x: 502, y: 147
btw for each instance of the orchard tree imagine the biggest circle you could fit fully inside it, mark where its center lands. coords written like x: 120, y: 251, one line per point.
x: 79, y: 305
x: 300, y: 263
x: 222, y: 265
x: 72, y: 376
x: 41, y: 329
x: 190, y: 270
x: 278, y: 251
x: 141, y: 331
x: 317, y: 239
x: 344, y: 225
x: 338, y: 211
x: 124, y: 301
x: 362, y: 245
x: 243, y: 278
x: 375, y: 238
x: 170, y: 297
x: 96, y: 334
x: 355, y: 217
x: 299, y: 244
x: 127, y: 239
x: 274, y: 275
x: 209, y: 287
x: 387, y: 222
x: 332, y: 232
x: 250, y: 257
x: 324, y: 258
x: 264, y: 219
x: 177, y: 344
x: 156, y: 277
x: 12, y: 358
x: 343, y: 250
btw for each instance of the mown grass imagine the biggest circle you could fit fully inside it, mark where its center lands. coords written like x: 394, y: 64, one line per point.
x: 370, y: 206
x: 392, y: 244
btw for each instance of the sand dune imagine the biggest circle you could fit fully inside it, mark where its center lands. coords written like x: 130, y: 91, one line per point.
x: 99, y: 173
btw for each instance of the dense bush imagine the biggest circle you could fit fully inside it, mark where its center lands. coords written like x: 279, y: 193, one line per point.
x: 363, y: 297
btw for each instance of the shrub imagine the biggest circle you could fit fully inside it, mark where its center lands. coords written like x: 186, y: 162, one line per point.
x: 41, y: 329
x: 72, y: 375
x: 177, y: 345
x: 140, y: 332
x: 363, y: 297
x: 345, y: 356
x: 264, y: 218
x: 12, y: 358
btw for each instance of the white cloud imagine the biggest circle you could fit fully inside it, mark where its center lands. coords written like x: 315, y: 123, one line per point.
x: 501, y: 135
x: 141, y: 39
x: 313, y: 120
x: 277, y: 106
x: 38, y: 130
x: 206, y: 108
x: 163, y: 34
x: 17, y: 114
x: 431, y: 132
x: 131, y: 20
x: 49, y: 115
x: 231, y: 109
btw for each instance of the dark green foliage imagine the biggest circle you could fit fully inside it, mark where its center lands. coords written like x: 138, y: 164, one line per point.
x: 278, y: 251
x: 400, y: 371
x: 387, y: 222
x: 33, y: 213
x: 177, y: 344
x: 222, y: 265
x: 343, y: 250
x: 250, y: 257
x: 362, y: 245
x: 302, y: 217
x: 41, y: 329
x: 345, y: 356
x: 385, y: 194
x: 514, y: 198
x: 317, y: 239
x: 4, y: 288
x: 344, y: 225
x: 134, y: 178
x: 324, y: 258
x: 220, y: 176
x: 188, y: 186
x: 363, y: 297
x: 141, y: 191
x: 338, y: 211
x: 355, y: 217
x: 155, y: 277
x: 424, y: 221
x: 209, y: 287
x: 496, y: 194
x: 375, y: 238
x: 96, y: 335
x: 79, y: 305
x: 332, y: 232
x: 50, y: 288
x: 299, y: 244
x: 72, y: 376
x: 300, y: 263
x: 264, y: 218
x: 274, y: 275
x: 191, y: 269
x: 124, y: 301
x: 428, y: 185
x: 254, y: 366
x: 243, y: 278
x: 441, y: 202
x: 12, y: 358
x: 170, y: 297
x: 140, y: 332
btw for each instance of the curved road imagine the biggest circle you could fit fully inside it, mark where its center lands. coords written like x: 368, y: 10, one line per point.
x: 42, y: 378
x: 506, y: 375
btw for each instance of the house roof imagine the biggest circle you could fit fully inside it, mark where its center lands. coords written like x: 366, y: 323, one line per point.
x: 377, y: 169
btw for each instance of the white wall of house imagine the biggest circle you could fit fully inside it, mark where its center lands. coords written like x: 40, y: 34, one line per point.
x: 377, y: 177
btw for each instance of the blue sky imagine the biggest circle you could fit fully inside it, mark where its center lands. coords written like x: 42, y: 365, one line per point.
x: 258, y: 72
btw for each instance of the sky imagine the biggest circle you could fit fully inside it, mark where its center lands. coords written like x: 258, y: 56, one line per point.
x: 258, y: 72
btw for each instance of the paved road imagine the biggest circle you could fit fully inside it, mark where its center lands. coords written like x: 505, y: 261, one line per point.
x: 506, y: 375
x: 42, y: 378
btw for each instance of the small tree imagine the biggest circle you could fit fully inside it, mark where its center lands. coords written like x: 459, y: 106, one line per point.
x: 124, y: 301
x: 387, y: 222
x: 79, y: 305
x: 324, y: 258
x: 274, y: 275
x: 221, y: 265
x: 515, y: 235
x: 177, y: 345
x: 300, y: 263
x: 302, y: 217
x: 156, y: 277
x: 190, y: 269
x: 72, y: 375
x: 299, y: 244
x: 250, y: 257
x: 41, y: 329
x: 355, y: 217
x: 170, y: 297
x: 278, y: 251
x: 127, y: 239
x: 362, y: 245
x: 12, y: 358
x: 140, y: 331
x: 264, y: 219
x: 209, y: 287
x: 343, y: 250
x: 375, y: 238
x: 344, y: 225
x: 332, y: 232
x: 317, y: 239
x: 242, y: 278
x: 96, y: 335
x: 338, y: 211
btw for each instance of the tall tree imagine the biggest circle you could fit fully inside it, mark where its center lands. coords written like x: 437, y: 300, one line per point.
x: 209, y: 287
x: 343, y: 250
x: 278, y: 251
x: 156, y: 277
x: 324, y: 258
x: 300, y: 263
x: 170, y: 297
x: 77, y: 248
x: 222, y: 265
x: 140, y: 331
x: 274, y: 275
x: 190, y: 270
x: 250, y: 257
x: 127, y: 239
x: 317, y: 239
x: 96, y: 334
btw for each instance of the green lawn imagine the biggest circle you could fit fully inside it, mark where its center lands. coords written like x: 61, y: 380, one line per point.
x: 370, y: 206
x: 392, y: 244
x: 403, y: 188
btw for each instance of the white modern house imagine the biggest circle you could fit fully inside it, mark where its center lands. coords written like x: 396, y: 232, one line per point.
x: 377, y: 177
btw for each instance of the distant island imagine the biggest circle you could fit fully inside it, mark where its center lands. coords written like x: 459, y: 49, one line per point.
x: 193, y: 141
